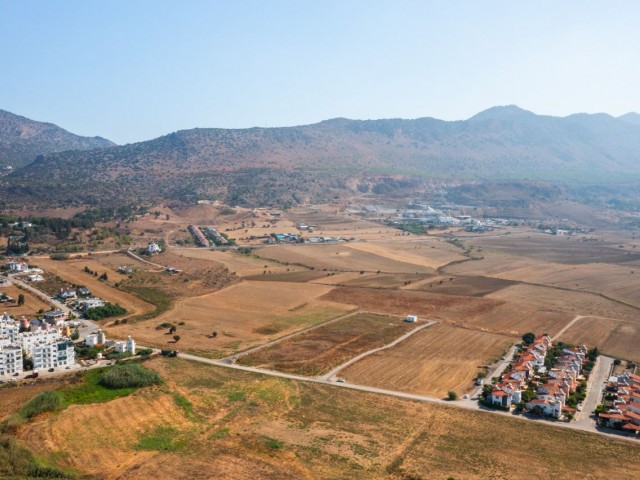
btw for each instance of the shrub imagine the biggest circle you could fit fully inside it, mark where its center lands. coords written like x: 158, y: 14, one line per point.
x: 129, y: 375
x: 451, y: 395
x: 45, y: 402
x: 107, y: 310
x: 59, y: 256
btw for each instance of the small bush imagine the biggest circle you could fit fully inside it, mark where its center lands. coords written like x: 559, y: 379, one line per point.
x: 45, y: 402
x: 128, y: 375
x: 451, y: 395
x: 108, y: 310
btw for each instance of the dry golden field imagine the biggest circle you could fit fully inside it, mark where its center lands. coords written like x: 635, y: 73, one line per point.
x: 340, y: 257
x: 242, y: 265
x: 243, y: 315
x: 223, y: 424
x: 616, y: 338
x: 32, y: 303
x: 318, y: 351
x: 430, y: 362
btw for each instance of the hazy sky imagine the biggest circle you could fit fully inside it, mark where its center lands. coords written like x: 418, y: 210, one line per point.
x: 134, y: 70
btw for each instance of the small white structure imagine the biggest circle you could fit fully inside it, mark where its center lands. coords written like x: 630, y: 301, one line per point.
x: 91, y: 303
x: 127, y: 346
x: 411, y: 319
x: 153, y: 247
x: 17, y: 267
x: 95, y: 338
x: 35, y: 277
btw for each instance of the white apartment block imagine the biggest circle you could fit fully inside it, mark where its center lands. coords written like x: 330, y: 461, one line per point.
x: 10, y: 359
x: 9, y: 328
x: 51, y: 355
x: 28, y: 340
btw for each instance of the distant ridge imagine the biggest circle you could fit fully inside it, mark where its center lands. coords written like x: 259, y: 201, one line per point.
x: 22, y: 140
x: 323, y: 161
x: 631, y: 117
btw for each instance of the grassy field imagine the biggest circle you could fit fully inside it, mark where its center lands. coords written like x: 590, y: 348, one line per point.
x: 250, y: 426
x: 318, y: 351
x: 424, y: 362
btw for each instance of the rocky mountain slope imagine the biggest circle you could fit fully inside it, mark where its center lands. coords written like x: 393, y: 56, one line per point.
x: 22, y: 140
x: 320, y: 161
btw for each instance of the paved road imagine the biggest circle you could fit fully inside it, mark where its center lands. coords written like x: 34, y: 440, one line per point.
x: 43, y: 296
x: 330, y: 376
x: 597, y: 379
x: 507, y: 359
x: 467, y: 405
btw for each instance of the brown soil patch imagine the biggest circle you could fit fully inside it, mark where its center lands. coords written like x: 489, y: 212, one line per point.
x: 318, y: 351
x: 404, y: 302
x: 469, y: 286
x: 424, y: 364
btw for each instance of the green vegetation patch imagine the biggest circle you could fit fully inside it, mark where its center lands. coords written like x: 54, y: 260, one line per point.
x: 162, y: 439
x: 155, y: 296
x: 129, y: 375
x: 17, y: 462
x: 219, y: 434
x: 183, y: 403
x: 49, y: 401
x: 105, y: 384
x: 106, y: 311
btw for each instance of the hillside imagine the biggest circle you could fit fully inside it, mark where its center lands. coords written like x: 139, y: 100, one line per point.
x: 316, y: 162
x: 22, y: 140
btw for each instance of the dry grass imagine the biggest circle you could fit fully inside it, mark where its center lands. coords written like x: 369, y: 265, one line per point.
x: 251, y: 426
x: 613, y: 337
x: 245, y: 314
x: 424, y: 362
x: 32, y: 303
x: 344, y: 257
x: 318, y: 351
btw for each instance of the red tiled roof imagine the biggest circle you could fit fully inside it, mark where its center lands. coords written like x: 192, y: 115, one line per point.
x: 631, y: 426
x: 499, y: 393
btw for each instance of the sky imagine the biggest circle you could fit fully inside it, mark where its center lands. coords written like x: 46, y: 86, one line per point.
x: 134, y: 70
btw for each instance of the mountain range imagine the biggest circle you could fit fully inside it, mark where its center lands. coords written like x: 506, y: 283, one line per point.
x: 336, y: 157
x: 22, y: 140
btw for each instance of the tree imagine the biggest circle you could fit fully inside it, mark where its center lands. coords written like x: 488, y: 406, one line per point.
x: 172, y: 329
x: 451, y: 395
x: 528, y: 338
x: 75, y: 335
x: 21, y: 299
x: 214, y: 334
x: 176, y: 338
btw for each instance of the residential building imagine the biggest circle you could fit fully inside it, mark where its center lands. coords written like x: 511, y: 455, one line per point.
x: 52, y: 355
x: 55, y: 317
x: 128, y: 345
x: 29, y: 340
x: 10, y: 359
x: 153, y: 248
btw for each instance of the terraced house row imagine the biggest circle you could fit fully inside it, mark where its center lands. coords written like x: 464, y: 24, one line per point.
x: 621, y: 409
x: 529, y: 383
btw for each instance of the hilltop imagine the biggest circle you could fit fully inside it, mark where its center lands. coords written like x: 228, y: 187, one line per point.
x: 316, y: 162
x: 22, y: 140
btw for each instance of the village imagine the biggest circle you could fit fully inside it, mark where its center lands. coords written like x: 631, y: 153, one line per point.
x: 52, y: 342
